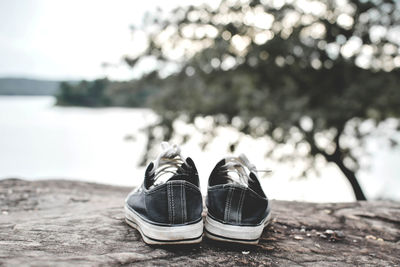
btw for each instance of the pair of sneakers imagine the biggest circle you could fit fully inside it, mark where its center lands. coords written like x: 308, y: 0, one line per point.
x: 167, y: 208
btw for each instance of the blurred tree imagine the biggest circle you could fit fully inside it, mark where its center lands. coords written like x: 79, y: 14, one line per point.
x: 84, y: 93
x: 302, y: 72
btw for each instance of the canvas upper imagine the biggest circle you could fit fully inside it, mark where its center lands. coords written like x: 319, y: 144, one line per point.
x: 175, y: 201
x: 236, y: 200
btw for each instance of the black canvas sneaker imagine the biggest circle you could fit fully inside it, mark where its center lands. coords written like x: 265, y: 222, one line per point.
x: 238, y: 209
x: 167, y: 207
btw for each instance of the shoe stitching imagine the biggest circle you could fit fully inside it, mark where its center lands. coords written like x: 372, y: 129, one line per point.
x: 162, y: 187
x: 184, y: 215
x: 228, y: 204
x: 169, y: 202
x: 251, y: 192
x: 241, y: 201
x: 173, y: 203
x: 161, y: 224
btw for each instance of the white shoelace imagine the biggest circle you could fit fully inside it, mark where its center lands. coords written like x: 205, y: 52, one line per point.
x: 236, y: 169
x: 167, y: 162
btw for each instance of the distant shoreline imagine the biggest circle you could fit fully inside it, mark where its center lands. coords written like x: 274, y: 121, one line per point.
x: 28, y: 87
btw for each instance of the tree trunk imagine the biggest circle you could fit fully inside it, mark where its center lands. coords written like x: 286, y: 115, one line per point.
x: 64, y: 223
x: 337, y: 158
x: 351, y: 177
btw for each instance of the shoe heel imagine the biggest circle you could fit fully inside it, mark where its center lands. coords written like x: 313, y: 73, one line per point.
x: 234, y: 233
x: 161, y: 235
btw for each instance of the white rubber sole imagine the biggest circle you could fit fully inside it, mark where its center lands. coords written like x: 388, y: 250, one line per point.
x: 161, y: 235
x: 234, y: 233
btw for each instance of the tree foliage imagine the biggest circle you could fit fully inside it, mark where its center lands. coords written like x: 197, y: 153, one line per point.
x: 305, y: 72
x: 84, y: 93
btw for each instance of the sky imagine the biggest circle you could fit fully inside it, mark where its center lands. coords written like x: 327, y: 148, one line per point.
x: 70, y: 39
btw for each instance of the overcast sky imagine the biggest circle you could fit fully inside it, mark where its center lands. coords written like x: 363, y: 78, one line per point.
x: 69, y: 39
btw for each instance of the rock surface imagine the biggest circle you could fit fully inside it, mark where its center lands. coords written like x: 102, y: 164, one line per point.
x: 75, y: 223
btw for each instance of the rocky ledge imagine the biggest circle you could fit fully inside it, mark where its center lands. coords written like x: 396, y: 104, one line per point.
x: 58, y: 222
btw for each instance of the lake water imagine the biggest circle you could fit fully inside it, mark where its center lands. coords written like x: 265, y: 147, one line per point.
x: 41, y: 141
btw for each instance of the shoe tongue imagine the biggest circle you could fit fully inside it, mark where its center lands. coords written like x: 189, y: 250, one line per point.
x: 161, y: 171
x: 246, y: 162
x: 237, y: 171
x: 255, y: 185
x: 170, y: 151
x: 182, y: 169
x: 186, y: 172
x: 149, y: 176
x: 217, y: 175
x: 180, y: 173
